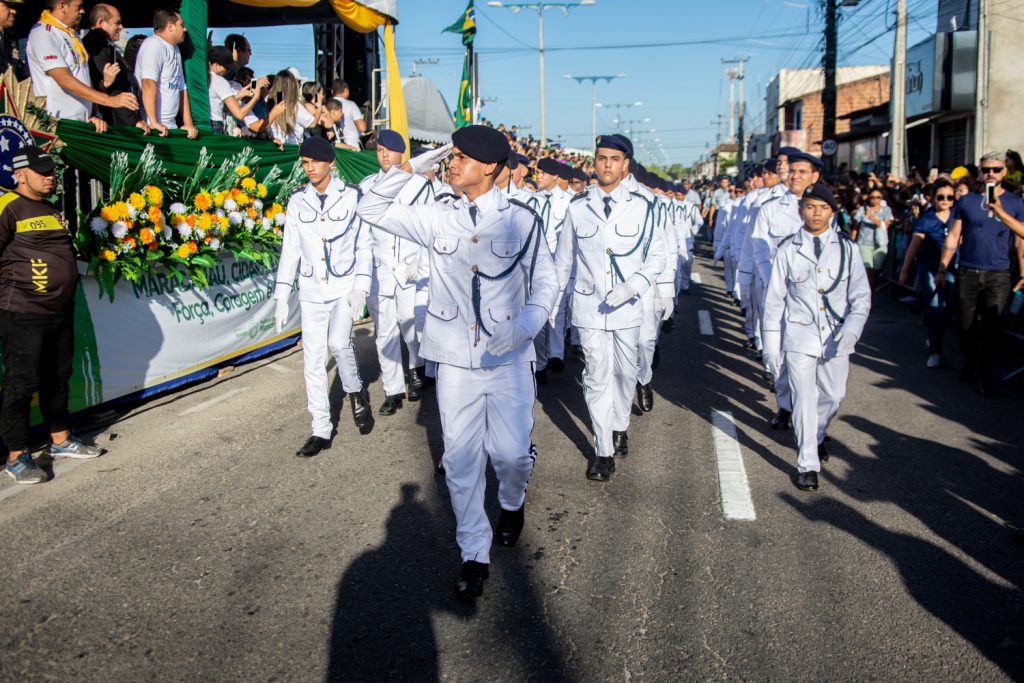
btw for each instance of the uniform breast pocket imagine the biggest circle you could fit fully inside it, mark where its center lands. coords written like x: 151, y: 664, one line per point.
x: 339, y: 214
x: 442, y: 310
x: 446, y: 254
x: 584, y: 288
x: 307, y: 216
x: 506, y: 248
x: 501, y: 315
x: 306, y: 269
x: 627, y: 229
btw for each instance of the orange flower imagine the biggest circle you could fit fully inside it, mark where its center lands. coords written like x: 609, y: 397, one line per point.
x: 251, y: 213
x: 206, y: 240
x: 192, y: 247
x: 130, y: 241
x: 191, y: 220
x: 154, y: 215
x: 203, y: 201
x: 147, y: 236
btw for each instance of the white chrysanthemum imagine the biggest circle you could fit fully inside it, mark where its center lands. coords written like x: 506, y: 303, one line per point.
x: 249, y: 223
x: 230, y: 205
x: 178, y: 208
x: 279, y: 219
x: 257, y: 204
x: 200, y: 234
x: 266, y: 223
x: 120, y: 229
x: 234, y: 218
x: 98, y: 225
x: 220, y: 213
x: 131, y: 210
x: 184, y: 230
x: 214, y: 243
x: 168, y: 233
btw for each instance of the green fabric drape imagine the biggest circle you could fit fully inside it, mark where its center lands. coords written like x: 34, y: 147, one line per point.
x: 193, y: 54
x: 90, y: 151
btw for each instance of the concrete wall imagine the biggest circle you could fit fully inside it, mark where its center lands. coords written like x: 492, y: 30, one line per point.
x: 1005, y: 130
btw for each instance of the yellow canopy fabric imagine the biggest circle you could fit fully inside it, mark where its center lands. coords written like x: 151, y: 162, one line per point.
x: 363, y: 19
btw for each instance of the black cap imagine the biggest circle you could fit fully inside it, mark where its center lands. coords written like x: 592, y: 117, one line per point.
x: 317, y: 149
x: 389, y: 139
x: 523, y: 159
x: 771, y: 165
x: 33, y: 159
x: 219, y: 55
x: 483, y: 143
x: 616, y: 141
x: 821, y: 192
x: 788, y: 150
x: 804, y: 156
x: 549, y: 165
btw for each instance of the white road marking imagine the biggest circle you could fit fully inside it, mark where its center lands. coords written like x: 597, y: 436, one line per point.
x: 732, y: 476
x: 695, y: 277
x: 704, y: 320
x: 213, y: 401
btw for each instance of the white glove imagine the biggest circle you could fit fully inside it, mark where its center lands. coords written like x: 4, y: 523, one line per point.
x: 772, y: 364
x: 281, y: 315
x: 669, y: 305
x: 507, y: 337
x: 427, y: 160
x: 412, y: 270
x: 620, y: 294
x: 356, y: 301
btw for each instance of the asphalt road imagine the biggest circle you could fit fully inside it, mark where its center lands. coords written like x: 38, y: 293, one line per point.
x: 200, y: 549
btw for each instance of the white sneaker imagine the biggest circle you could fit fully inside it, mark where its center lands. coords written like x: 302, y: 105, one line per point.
x: 934, y: 360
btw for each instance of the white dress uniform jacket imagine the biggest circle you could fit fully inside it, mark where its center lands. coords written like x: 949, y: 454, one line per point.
x: 777, y: 219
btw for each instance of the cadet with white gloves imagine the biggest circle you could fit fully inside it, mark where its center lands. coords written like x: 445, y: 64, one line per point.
x: 552, y: 204
x: 820, y: 289
x: 492, y: 287
x: 610, y: 238
x: 776, y: 220
x: 330, y: 250
x: 400, y: 271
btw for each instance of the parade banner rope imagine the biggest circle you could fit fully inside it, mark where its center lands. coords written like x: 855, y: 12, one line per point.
x: 89, y: 151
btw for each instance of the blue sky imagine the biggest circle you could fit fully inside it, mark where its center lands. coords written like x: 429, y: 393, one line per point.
x: 681, y: 84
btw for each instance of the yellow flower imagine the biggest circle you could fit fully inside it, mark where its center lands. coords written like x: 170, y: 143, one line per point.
x: 219, y: 198
x: 154, y: 195
x: 108, y: 254
x: 109, y: 214
x: 205, y: 221
x: 137, y: 200
x: 224, y: 224
x: 242, y: 199
x: 261, y: 190
x: 249, y: 184
x: 242, y: 171
x: 183, y: 251
x: 203, y: 201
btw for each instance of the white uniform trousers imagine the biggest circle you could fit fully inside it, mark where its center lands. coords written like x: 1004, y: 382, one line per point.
x: 394, y: 318
x: 540, y: 346
x: 485, y: 413
x: 818, y: 386
x: 729, y: 271
x: 609, y: 382
x: 327, y: 326
x: 755, y: 309
x: 556, y: 338
x: 783, y: 392
x: 650, y: 331
x: 683, y: 270
x: 745, y: 281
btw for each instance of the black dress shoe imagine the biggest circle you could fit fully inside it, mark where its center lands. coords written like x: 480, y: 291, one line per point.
x: 391, y: 405
x: 620, y: 440
x: 542, y: 376
x: 470, y: 585
x: 782, y: 419
x: 361, y: 412
x: 556, y: 364
x: 822, y: 452
x: 415, y: 385
x: 313, y: 446
x: 644, y: 397
x: 807, y: 481
x: 656, y: 358
x: 601, y: 469
x: 577, y: 351
x: 668, y: 325
x: 510, y: 525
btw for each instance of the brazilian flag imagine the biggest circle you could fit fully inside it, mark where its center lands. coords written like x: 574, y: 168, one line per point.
x: 466, y: 25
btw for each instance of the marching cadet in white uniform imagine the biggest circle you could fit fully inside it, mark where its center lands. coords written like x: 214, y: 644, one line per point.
x: 820, y: 289
x: 492, y: 287
x: 749, y: 280
x: 737, y: 236
x: 723, y: 224
x: 778, y: 219
x: 400, y: 271
x: 553, y: 203
x: 331, y: 251
x: 659, y: 301
x: 688, y: 216
x: 610, y: 237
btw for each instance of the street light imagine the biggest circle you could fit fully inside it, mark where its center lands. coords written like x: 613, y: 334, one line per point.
x: 618, y: 107
x: 593, y: 96
x: 515, y: 8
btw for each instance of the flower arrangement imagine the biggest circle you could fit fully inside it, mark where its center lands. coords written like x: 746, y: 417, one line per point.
x: 147, y: 223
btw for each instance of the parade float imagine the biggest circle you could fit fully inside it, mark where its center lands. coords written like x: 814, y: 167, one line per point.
x: 178, y: 239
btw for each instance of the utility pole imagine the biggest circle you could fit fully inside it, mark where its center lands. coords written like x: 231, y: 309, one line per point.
x: 828, y: 94
x: 731, y: 73
x: 741, y: 60
x: 981, y: 103
x: 898, y: 110
x: 718, y: 138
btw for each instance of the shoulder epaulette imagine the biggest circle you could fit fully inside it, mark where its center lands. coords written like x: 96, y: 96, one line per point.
x: 581, y: 195
x: 786, y: 239
x: 523, y: 205
x: 298, y: 189
x: 637, y: 194
x: 444, y: 195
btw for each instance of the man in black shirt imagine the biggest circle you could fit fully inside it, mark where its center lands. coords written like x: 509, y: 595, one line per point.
x: 9, y: 55
x: 38, y: 278
x: 107, y: 68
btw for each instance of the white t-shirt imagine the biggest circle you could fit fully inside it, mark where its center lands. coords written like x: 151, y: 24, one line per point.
x: 220, y: 90
x: 352, y: 114
x: 250, y: 118
x: 160, y: 61
x: 49, y: 48
x: 303, y: 120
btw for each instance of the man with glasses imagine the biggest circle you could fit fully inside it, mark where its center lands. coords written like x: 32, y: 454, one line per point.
x: 38, y: 278
x: 982, y: 231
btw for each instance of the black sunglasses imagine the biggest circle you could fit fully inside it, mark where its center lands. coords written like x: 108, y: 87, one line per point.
x: 992, y: 169
x: 944, y: 197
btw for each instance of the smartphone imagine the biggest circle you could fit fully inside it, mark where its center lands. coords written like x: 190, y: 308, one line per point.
x: 990, y: 190
x: 279, y: 97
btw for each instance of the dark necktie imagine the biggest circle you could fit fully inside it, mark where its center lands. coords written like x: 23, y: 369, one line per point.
x: 607, y: 206
x: 323, y: 200
x: 472, y: 213
x: 817, y: 248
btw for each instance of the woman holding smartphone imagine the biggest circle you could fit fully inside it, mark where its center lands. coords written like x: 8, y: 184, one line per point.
x: 289, y: 117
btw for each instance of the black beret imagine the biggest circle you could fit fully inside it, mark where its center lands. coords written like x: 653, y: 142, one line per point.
x: 549, y: 165
x: 417, y: 151
x: 821, y: 192
x: 389, y: 139
x: 579, y: 174
x: 804, y: 156
x: 771, y: 165
x: 317, y: 149
x: 483, y: 143
x: 523, y: 159
x: 565, y: 172
x: 789, y: 150
x: 616, y: 141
